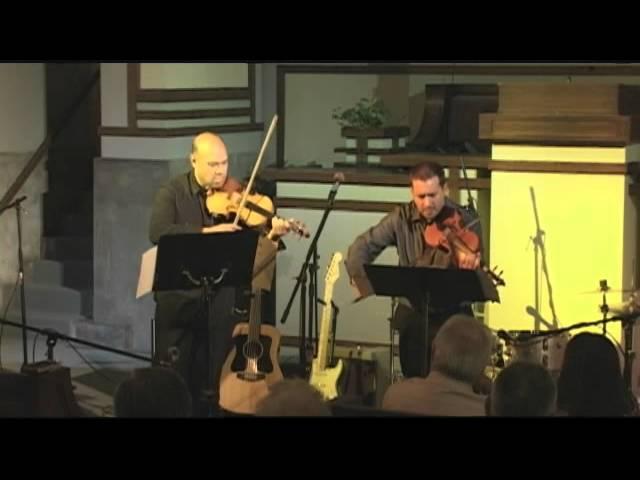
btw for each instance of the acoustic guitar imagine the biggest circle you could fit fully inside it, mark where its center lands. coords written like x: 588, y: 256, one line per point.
x: 252, y: 365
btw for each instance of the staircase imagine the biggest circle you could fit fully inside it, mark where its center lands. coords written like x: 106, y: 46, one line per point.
x: 59, y: 286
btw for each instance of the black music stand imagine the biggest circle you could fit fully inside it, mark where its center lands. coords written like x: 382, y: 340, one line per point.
x: 431, y: 287
x: 193, y: 261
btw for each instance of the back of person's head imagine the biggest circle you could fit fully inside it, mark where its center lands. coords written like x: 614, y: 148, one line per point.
x: 293, y: 398
x: 590, y: 382
x: 462, y: 348
x: 154, y: 392
x: 523, y: 389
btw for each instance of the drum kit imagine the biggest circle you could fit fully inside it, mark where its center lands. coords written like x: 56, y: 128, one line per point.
x: 530, y: 346
x: 547, y: 348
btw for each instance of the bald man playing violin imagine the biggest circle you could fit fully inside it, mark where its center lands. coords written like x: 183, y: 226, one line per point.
x: 203, y: 342
x: 404, y: 228
x: 175, y: 213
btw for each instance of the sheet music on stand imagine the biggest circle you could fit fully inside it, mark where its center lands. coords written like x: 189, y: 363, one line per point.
x: 147, y: 272
x: 263, y: 265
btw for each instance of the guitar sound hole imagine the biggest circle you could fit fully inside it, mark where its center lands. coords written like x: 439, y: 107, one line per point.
x: 252, y: 350
x: 240, y: 361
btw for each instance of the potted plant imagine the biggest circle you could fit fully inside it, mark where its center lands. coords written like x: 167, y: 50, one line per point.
x: 366, y: 113
x: 367, y: 135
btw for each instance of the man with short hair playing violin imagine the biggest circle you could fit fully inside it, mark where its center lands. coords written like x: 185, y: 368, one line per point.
x: 180, y: 206
x: 406, y: 228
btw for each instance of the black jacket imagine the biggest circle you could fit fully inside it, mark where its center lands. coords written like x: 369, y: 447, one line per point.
x: 178, y: 207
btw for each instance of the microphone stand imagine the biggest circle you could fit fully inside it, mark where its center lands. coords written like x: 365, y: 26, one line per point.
x: 470, y: 206
x: 301, y: 282
x: 53, y: 336
x: 313, y: 299
x: 540, y: 251
x: 23, y: 308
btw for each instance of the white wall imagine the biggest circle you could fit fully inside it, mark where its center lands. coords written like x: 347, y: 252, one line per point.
x: 194, y: 75
x: 269, y: 101
x: 113, y: 94
x: 22, y: 97
x: 311, y: 133
x: 268, y: 89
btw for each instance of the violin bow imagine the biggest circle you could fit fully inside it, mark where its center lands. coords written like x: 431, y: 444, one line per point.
x: 243, y: 202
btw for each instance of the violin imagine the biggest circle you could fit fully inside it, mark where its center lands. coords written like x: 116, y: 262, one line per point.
x: 258, y: 209
x: 452, y: 236
x: 237, y: 202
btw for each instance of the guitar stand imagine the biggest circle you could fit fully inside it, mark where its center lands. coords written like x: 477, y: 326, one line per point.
x: 393, y: 376
x: 334, y: 316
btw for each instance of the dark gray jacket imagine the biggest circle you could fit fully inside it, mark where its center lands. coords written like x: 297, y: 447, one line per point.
x: 402, y: 228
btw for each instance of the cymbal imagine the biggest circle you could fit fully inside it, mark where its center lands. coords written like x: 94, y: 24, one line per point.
x: 610, y: 290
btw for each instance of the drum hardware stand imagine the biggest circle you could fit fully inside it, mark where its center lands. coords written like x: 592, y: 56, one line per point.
x: 604, y: 308
x: 540, y: 259
x: 628, y: 320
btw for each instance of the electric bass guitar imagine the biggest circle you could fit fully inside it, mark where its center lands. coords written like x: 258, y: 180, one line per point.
x: 324, y: 377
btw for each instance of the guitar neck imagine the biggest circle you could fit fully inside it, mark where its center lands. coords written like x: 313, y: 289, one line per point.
x: 325, y: 330
x: 254, y: 315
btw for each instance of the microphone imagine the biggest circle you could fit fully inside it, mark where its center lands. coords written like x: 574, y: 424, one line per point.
x: 338, y: 178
